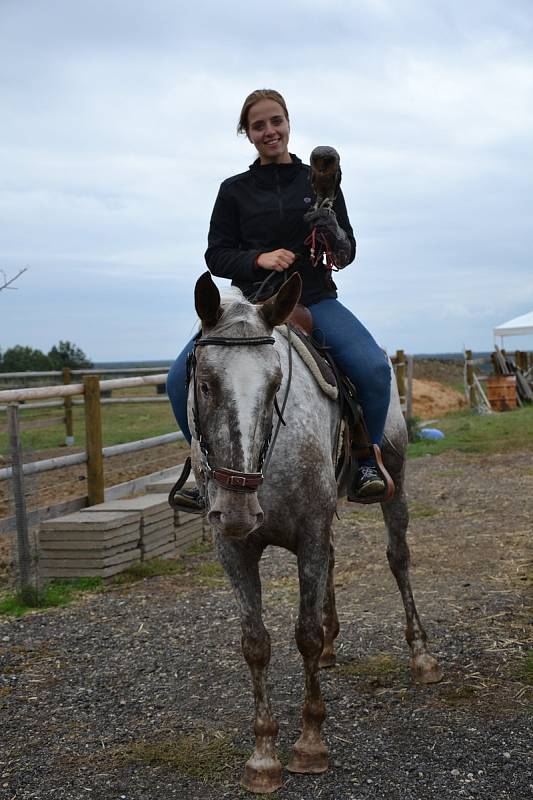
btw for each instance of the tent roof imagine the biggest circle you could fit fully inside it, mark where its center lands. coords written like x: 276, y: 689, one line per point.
x: 516, y: 327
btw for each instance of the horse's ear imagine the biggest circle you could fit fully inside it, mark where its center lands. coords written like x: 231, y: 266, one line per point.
x: 207, y: 300
x: 279, y: 307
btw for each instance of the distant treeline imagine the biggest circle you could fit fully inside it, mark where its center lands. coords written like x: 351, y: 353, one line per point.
x: 28, y: 359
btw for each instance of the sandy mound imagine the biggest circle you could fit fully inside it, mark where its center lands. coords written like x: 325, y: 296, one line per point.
x: 431, y: 398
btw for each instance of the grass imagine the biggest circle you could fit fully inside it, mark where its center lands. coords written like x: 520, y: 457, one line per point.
x: 199, y: 548
x: 376, y: 668
x: 200, y: 755
x: 56, y: 593
x: 205, y: 573
x: 457, y: 694
x: 149, y: 569
x: 193, y: 573
x: 466, y: 432
x: 419, y: 510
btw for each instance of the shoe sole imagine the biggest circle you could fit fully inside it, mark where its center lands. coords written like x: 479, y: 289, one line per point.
x: 371, y: 489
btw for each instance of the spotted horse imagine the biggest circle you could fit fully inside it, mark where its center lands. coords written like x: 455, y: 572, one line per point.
x: 240, y: 366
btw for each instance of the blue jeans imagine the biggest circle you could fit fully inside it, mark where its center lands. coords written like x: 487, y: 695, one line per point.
x: 353, y: 349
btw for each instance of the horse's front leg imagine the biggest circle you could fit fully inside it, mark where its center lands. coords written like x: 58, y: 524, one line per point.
x: 330, y: 620
x: 263, y: 770
x: 310, y: 753
x: 424, y: 666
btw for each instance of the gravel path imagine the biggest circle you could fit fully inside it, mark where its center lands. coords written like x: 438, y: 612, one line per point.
x: 140, y: 692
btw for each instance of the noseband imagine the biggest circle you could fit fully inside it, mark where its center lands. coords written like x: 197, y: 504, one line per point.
x: 229, y: 478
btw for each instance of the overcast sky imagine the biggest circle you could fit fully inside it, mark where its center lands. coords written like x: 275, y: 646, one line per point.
x: 117, y: 125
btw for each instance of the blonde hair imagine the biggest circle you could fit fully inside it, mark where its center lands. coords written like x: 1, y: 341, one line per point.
x: 252, y: 99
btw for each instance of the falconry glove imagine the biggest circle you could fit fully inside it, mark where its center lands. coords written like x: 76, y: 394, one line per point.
x: 324, y: 221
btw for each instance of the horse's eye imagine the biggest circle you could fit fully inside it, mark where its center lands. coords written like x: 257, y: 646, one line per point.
x: 204, y: 388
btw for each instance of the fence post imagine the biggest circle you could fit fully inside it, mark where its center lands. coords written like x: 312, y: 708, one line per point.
x: 23, y: 543
x: 69, y: 422
x: 400, y: 378
x: 409, y: 402
x: 472, y: 400
x: 93, y: 439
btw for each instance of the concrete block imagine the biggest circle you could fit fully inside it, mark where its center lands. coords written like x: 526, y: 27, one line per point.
x: 84, y: 521
x: 146, y: 504
x: 86, y: 572
x: 72, y: 560
x: 97, y: 539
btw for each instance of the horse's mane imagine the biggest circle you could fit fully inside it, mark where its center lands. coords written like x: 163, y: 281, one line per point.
x: 239, y: 317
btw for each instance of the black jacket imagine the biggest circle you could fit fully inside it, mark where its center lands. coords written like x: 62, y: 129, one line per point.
x: 262, y: 210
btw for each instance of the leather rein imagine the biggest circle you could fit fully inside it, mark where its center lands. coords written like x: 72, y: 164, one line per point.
x: 226, y: 478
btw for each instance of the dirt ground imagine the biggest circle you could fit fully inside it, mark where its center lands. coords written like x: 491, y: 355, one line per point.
x: 141, y: 693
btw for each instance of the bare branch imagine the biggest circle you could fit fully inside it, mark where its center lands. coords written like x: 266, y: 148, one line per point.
x: 7, y: 283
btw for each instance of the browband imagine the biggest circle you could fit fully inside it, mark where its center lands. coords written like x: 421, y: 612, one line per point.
x: 232, y: 341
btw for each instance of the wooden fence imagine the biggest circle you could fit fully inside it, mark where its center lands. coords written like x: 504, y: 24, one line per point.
x: 67, y: 403
x: 94, y: 455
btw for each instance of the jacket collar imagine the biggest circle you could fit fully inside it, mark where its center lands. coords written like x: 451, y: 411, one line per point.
x: 271, y: 174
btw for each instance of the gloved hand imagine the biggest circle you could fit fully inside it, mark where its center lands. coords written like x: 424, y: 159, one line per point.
x: 325, y: 221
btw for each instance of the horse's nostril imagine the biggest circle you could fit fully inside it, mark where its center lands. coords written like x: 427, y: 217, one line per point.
x: 214, y: 517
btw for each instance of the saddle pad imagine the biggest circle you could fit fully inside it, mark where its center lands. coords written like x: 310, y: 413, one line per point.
x: 315, y: 362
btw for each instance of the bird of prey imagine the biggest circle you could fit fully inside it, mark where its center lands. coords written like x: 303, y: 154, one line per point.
x: 325, y: 175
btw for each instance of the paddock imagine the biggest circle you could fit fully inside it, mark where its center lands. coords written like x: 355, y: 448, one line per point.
x: 140, y: 691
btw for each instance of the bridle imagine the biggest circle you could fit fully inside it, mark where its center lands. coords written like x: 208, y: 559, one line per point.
x: 226, y: 478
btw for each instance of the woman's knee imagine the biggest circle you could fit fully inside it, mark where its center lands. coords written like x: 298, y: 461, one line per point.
x: 382, y: 375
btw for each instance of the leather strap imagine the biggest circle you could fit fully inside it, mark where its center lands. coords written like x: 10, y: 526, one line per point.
x: 237, y: 481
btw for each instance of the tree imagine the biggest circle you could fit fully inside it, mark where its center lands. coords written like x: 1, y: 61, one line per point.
x: 5, y: 283
x: 24, y: 359
x: 67, y: 354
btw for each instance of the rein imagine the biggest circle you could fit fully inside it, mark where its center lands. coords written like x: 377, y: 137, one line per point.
x: 228, y: 478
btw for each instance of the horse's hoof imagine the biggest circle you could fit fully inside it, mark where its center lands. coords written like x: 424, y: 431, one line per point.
x: 425, y: 669
x: 309, y: 760
x: 327, y: 659
x: 262, y: 776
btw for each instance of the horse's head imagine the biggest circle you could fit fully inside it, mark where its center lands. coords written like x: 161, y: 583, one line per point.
x: 235, y: 379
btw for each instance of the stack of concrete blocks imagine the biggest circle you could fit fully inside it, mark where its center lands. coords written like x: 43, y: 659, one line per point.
x: 157, y: 536
x: 85, y: 544
x: 106, y: 539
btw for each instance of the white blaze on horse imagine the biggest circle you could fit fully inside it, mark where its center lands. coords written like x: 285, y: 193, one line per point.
x: 240, y: 364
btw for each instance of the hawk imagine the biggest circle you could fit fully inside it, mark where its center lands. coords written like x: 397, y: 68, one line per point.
x: 325, y: 175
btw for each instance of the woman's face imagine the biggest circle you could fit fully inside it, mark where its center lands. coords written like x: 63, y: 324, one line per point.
x: 268, y: 131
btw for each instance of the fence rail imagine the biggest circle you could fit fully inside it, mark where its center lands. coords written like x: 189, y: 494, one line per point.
x: 57, y: 373
x: 73, y: 389
x: 94, y: 454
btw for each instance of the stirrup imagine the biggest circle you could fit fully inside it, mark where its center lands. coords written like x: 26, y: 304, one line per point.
x: 388, y: 492
x: 176, y: 499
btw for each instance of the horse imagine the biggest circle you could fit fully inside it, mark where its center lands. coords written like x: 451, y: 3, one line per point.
x: 240, y: 365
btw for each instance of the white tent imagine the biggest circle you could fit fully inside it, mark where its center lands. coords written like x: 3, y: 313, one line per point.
x: 519, y: 326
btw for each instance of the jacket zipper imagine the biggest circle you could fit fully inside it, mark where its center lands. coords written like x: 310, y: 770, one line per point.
x: 280, y: 201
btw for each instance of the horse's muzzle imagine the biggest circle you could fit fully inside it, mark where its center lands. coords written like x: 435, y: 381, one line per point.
x: 234, y: 515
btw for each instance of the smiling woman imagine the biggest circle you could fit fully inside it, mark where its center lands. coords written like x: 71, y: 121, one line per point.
x: 259, y: 235
x: 265, y: 120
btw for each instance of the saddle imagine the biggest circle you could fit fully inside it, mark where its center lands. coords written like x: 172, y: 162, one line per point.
x: 353, y: 442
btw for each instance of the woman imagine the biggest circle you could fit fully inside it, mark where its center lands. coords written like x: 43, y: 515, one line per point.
x: 258, y: 228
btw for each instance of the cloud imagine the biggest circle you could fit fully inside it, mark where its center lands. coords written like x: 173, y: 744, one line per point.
x: 119, y: 124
